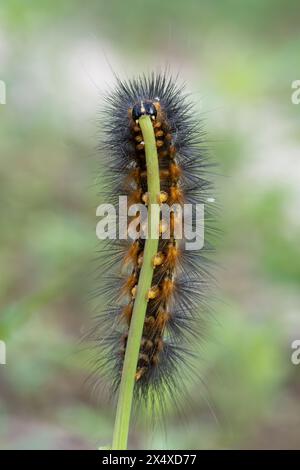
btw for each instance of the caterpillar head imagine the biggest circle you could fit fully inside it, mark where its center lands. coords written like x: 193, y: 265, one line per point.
x: 142, y: 108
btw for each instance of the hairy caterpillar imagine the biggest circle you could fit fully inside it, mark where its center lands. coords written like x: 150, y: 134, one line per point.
x: 176, y: 307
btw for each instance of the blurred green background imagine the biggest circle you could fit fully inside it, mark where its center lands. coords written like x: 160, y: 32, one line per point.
x: 238, y: 60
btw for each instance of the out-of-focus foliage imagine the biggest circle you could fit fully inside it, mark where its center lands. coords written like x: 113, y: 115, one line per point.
x: 239, y: 60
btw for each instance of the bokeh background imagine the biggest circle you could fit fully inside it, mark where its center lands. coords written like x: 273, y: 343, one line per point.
x: 238, y: 59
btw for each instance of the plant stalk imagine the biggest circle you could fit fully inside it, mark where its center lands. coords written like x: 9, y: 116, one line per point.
x: 123, y: 414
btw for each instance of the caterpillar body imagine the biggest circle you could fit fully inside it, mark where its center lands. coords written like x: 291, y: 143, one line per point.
x: 177, y: 306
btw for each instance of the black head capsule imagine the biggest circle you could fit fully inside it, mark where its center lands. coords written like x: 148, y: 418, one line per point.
x: 144, y: 108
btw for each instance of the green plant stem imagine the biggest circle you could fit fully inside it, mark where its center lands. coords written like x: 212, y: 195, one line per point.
x: 124, y: 406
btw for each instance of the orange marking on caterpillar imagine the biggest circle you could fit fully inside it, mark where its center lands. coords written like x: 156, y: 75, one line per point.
x: 167, y: 289
x: 129, y: 283
x: 127, y: 313
x: 162, y: 319
x: 158, y: 259
x: 162, y: 197
x: 140, y: 373
x: 152, y: 293
x: 175, y: 171
x: 172, y: 256
x: 176, y: 195
x: 134, y: 291
x: 159, y: 133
